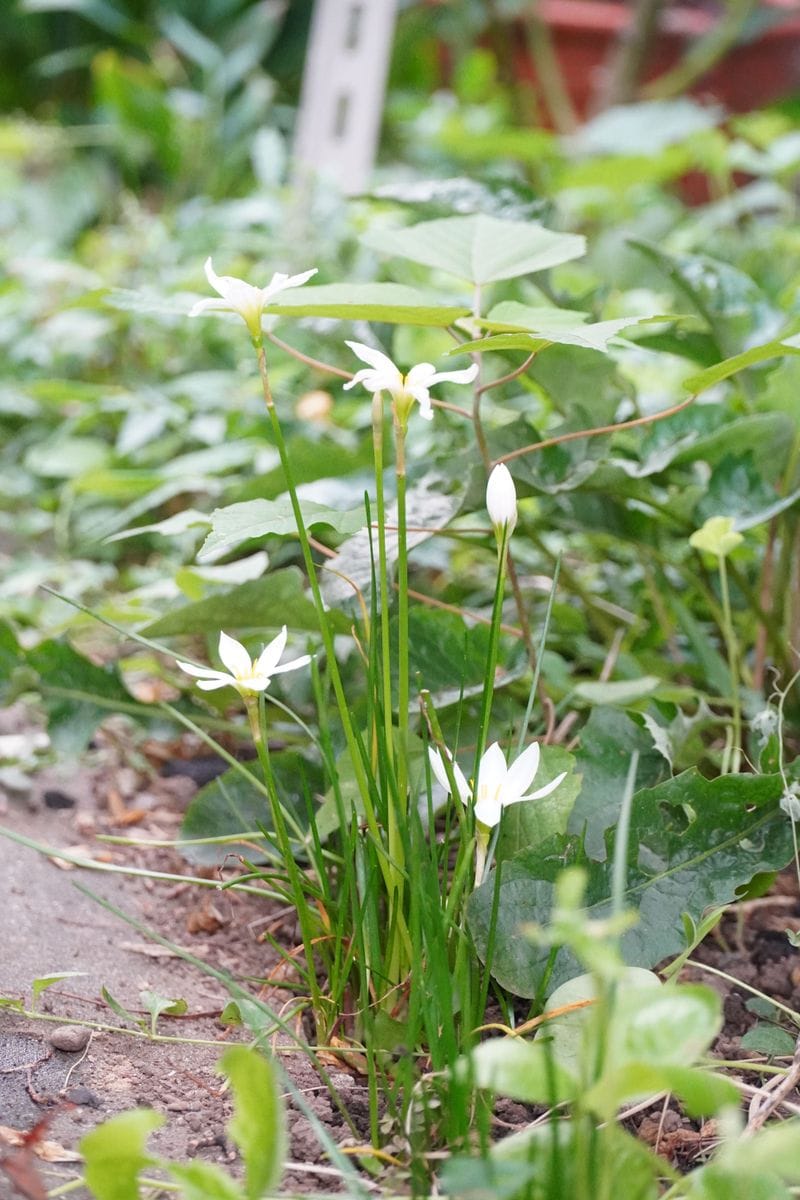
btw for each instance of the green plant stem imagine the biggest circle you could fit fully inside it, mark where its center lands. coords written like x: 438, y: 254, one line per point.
x: 398, y: 804
x: 383, y: 572
x: 491, y: 658
x: 731, y: 763
x: 388, y: 867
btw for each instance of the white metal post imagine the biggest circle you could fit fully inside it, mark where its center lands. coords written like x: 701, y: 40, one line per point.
x: 344, y: 81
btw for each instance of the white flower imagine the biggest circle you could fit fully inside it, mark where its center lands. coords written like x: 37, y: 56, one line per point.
x: 501, y: 500
x: 248, y: 676
x: 381, y: 375
x: 244, y: 299
x: 497, y: 785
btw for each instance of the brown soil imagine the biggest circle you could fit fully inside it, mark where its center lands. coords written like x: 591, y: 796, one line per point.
x: 50, y: 926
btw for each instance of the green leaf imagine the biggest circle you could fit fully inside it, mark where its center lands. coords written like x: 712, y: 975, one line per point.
x: 233, y: 804
x: 769, y: 1039
x: 621, y: 692
x: 700, y: 1092
x: 738, y: 362
x: 237, y: 523
x: 392, y: 303
x: 258, y: 1126
x: 255, y: 606
x: 77, y: 694
x: 156, y: 1005
x: 692, y: 843
x: 479, y: 248
x: 115, y: 1153
x: 183, y: 522
x: 204, y: 1181
x: 120, y: 1010
x: 65, y: 457
x: 522, y: 1070
x: 519, y: 327
x: 428, y: 506
x: 46, y: 981
x: 534, y: 821
x: 567, y: 1031
x: 608, y: 740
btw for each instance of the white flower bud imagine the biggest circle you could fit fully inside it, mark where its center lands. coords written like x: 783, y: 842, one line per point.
x: 501, y: 500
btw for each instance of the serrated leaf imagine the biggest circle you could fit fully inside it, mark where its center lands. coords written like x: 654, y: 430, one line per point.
x: 479, y: 248
x: 256, y: 606
x: 237, y: 523
x: 258, y: 1126
x: 392, y: 303
x: 517, y: 326
x: 692, y: 843
x: 115, y: 1154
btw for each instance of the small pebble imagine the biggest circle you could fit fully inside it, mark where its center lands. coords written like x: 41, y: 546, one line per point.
x: 54, y: 798
x: 83, y: 1096
x: 71, y: 1038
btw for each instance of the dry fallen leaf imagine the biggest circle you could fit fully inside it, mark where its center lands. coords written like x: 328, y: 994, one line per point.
x: 45, y: 1150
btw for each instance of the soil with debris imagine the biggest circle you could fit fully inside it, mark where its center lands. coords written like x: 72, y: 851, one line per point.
x: 52, y: 925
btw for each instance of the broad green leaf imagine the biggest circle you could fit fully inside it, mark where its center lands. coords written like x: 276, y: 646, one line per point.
x: 238, y: 523
x: 738, y: 362
x: 256, y: 606
x: 46, y: 981
x: 11, y: 658
x: 428, y: 507
x: 733, y: 306
x: 77, y: 694
x: 700, y: 1092
x: 258, y: 1126
x: 232, y: 804
x: 183, y: 522
x: 115, y: 1153
x: 645, y: 128
x: 392, y: 303
x: 767, y: 435
x: 65, y: 457
x: 519, y: 1069
x: 716, y: 1182
x: 479, y: 248
x: 608, y: 740
x: 769, y: 1039
x: 567, y: 1031
x: 692, y: 843
x: 516, y: 326
x: 627, y: 1167
x: 204, y: 1181
x: 156, y: 1005
x: 773, y: 1149
x: 532, y: 822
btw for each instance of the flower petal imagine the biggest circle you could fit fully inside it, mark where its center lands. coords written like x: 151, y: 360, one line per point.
x: 547, y: 789
x: 292, y: 665
x: 492, y: 771
x: 376, y: 360
x: 440, y: 771
x: 234, y: 656
x: 363, y: 376
x: 465, y: 376
x: 211, y: 685
x: 269, y: 657
x: 420, y: 375
x: 209, y: 306
x: 199, y: 672
x: 212, y: 277
x: 280, y: 283
x: 522, y: 773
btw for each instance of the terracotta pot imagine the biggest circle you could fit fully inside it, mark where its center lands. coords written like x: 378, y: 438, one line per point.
x: 751, y: 74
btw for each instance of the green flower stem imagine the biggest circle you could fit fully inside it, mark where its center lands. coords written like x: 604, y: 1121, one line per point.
x: 491, y: 659
x: 733, y: 761
x: 387, y: 868
x: 402, y: 614
x: 383, y: 571
x: 256, y: 710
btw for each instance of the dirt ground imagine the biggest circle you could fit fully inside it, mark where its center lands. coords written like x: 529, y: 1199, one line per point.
x: 49, y: 926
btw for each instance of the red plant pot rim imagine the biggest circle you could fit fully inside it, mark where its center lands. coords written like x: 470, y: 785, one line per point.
x: 612, y: 17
